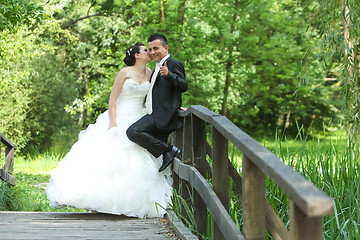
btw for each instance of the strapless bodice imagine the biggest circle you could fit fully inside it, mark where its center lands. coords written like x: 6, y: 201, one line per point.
x: 132, y: 96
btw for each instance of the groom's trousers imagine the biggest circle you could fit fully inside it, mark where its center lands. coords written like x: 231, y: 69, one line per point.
x: 146, y: 134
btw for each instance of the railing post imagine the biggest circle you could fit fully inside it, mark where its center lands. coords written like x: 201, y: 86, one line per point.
x: 9, y: 159
x: 7, y: 169
x: 220, y: 173
x: 199, y: 154
x: 186, y: 188
x: 176, y: 139
x: 302, y: 226
x: 187, y: 142
x: 253, y: 201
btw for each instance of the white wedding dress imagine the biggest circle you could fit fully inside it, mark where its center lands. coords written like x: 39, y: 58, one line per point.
x: 106, y: 172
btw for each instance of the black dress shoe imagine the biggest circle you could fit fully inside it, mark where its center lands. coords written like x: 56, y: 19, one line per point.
x: 168, y: 157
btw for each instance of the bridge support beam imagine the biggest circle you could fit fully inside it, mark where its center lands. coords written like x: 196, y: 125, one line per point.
x: 199, y: 153
x: 177, y: 140
x: 253, y: 201
x: 220, y: 173
x: 186, y: 189
x: 9, y: 159
x: 302, y: 226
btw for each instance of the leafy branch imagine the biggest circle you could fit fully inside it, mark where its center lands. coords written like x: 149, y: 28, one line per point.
x: 80, y: 19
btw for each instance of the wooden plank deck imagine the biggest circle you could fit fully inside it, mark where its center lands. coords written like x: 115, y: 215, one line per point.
x: 56, y: 225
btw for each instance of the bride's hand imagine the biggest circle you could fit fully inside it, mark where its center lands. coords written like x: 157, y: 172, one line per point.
x: 112, y: 125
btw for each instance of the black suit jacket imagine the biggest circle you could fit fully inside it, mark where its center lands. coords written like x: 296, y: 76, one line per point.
x: 166, y: 96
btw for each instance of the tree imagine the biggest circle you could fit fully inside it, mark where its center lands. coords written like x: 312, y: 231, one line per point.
x: 242, y: 59
x: 17, y: 12
x: 338, y: 22
x: 274, y: 43
x: 35, y: 87
x: 245, y: 59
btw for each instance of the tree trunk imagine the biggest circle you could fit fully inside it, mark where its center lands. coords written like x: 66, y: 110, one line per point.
x: 229, y: 63
x: 180, y: 23
x: 227, y: 83
x: 83, y: 73
x: 162, y: 11
x: 81, y: 117
x: 86, y: 88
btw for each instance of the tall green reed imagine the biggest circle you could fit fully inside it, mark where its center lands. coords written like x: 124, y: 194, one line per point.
x: 184, y: 210
x: 332, y: 164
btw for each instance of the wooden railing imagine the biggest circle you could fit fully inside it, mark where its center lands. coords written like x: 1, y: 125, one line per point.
x: 307, y: 204
x: 6, y: 171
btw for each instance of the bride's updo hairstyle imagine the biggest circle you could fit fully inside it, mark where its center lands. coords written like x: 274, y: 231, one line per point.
x: 129, y: 58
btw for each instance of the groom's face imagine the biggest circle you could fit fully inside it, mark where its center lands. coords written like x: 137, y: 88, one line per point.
x: 157, y: 50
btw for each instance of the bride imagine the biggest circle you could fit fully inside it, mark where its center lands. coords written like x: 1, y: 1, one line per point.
x: 106, y: 172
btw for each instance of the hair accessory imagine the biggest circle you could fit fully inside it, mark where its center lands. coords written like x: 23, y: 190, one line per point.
x: 128, y: 51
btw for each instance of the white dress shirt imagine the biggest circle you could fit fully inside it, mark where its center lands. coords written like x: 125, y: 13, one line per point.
x: 148, y: 102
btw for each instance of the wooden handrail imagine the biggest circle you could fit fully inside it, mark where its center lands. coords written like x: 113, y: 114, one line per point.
x: 5, y: 172
x: 307, y: 204
x: 7, y: 142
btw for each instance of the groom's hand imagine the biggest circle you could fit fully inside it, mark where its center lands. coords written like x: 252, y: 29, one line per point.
x: 164, y: 71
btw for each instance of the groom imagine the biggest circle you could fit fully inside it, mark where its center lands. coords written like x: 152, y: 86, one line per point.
x: 162, y: 103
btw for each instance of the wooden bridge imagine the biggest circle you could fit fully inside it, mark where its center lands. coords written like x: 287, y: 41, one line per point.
x: 56, y: 225
x: 192, y: 174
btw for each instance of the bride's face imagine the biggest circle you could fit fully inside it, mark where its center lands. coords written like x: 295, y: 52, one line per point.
x: 144, y: 54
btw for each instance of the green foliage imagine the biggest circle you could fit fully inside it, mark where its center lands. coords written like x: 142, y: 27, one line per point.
x: 16, y: 12
x: 242, y: 58
x: 267, y: 94
x: 338, y: 25
x: 9, y: 197
x: 246, y: 45
x: 34, y: 87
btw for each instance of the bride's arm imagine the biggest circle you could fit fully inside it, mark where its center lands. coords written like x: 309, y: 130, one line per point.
x: 118, y: 83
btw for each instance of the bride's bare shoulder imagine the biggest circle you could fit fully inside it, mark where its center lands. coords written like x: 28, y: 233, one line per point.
x: 125, y: 72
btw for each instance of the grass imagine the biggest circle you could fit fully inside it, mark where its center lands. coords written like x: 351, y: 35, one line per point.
x: 332, y: 164
x: 32, y: 174
x: 37, y: 163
